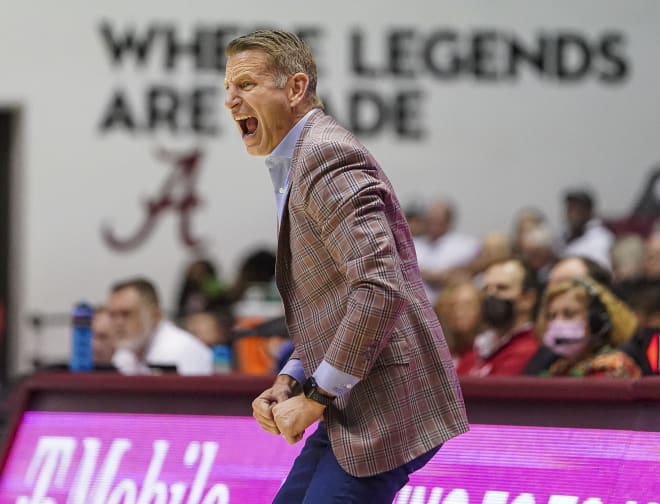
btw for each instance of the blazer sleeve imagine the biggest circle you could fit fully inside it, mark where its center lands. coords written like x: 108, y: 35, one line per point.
x: 346, y: 202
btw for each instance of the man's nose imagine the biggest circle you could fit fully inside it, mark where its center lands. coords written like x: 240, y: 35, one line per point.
x: 231, y: 98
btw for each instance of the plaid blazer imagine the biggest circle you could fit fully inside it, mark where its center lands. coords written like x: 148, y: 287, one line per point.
x: 353, y: 295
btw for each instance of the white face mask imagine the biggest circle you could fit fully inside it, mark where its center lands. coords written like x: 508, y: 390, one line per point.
x: 488, y: 343
x: 566, y: 338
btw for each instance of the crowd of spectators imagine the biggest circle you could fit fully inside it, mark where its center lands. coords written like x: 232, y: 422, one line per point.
x: 583, y: 300
x: 216, y: 326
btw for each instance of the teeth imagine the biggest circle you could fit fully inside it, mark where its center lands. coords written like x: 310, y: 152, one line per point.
x: 241, y: 118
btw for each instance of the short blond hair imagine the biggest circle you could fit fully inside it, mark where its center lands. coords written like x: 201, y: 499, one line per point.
x: 288, y: 54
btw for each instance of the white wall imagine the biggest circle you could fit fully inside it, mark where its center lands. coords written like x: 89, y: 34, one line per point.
x: 493, y: 145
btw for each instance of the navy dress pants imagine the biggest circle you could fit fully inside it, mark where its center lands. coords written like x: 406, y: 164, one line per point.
x: 317, y: 478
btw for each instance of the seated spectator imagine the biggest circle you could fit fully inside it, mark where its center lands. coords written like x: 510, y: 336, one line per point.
x: 257, y: 305
x: 628, y: 256
x: 507, y: 310
x: 416, y: 221
x: 443, y: 249
x: 459, y: 311
x: 525, y: 220
x: 585, y: 233
x: 495, y: 247
x: 652, y: 257
x: 537, y: 251
x: 644, y: 346
x: 145, y: 340
x: 579, y: 267
x: 211, y: 327
x: 582, y: 323
x: 104, y: 343
x: 200, y: 288
x: 256, y: 277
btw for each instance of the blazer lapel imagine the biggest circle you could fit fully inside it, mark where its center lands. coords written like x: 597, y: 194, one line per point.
x: 296, y: 162
x: 283, y: 257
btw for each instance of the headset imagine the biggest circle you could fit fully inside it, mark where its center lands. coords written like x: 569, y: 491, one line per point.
x: 600, y: 323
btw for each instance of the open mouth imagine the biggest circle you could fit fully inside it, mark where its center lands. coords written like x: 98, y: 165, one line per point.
x: 248, y: 125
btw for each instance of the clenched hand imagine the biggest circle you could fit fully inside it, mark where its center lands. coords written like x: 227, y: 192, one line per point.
x: 294, y: 415
x: 283, y: 388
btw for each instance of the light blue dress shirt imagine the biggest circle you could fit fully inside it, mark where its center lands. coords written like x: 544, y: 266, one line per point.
x: 278, y: 163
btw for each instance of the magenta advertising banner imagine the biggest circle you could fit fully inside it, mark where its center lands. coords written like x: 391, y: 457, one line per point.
x: 109, y: 458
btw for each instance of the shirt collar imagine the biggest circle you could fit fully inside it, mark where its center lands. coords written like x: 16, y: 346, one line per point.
x: 278, y: 161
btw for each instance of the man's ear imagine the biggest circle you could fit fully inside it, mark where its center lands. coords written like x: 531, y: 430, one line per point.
x: 297, y: 88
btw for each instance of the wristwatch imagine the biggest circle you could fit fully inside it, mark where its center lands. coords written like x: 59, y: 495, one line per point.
x: 311, y: 391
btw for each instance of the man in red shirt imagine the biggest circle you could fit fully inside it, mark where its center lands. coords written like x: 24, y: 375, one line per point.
x: 508, y: 309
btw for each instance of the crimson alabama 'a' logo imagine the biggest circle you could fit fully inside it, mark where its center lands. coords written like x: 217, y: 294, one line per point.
x: 177, y: 193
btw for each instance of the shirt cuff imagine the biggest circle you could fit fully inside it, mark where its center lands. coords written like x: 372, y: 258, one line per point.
x: 333, y: 380
x: 294, y: 369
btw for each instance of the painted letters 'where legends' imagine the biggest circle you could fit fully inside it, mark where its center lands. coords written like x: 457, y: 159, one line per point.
x: 410, y: 60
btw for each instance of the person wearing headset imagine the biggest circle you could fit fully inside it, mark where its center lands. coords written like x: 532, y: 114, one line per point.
x: 581, y: 323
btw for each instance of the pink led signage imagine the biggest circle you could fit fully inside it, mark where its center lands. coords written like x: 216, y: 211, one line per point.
x: 110, y: 458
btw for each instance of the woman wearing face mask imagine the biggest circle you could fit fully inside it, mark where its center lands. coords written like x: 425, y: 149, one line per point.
x: 582, y: 322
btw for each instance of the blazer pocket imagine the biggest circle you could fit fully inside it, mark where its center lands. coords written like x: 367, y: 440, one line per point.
x: 396, y: 351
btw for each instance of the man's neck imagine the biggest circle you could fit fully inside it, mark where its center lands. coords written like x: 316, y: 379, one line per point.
x: 300, y: 112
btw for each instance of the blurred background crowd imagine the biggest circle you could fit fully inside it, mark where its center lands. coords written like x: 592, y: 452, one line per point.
x: 582, y: 300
